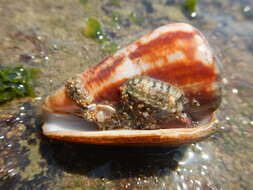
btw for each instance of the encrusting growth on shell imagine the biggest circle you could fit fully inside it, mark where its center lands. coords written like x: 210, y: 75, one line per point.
x: 153, y: 103
x: 145, y: 103
x: 154, y: 93
x: 75, y: 90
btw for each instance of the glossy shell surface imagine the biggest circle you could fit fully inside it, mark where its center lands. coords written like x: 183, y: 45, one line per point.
x: 177, y: 54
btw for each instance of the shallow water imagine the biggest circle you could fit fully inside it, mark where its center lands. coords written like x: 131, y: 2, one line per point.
x: 48, y: 35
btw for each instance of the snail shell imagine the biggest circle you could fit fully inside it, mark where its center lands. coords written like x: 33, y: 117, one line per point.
x: 177, y: 54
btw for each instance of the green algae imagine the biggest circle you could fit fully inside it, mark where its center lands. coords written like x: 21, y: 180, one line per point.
x: 16, y: 82
x: 190, y: 7
x: 94, y: 30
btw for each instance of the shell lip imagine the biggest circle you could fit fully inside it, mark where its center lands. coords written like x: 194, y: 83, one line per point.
x: 73, y: 129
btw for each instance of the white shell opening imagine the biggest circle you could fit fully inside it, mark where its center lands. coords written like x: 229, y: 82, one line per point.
x: 73, y: 129
x: 62, y: 122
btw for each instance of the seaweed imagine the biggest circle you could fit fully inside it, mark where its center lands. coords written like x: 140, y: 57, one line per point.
x: 16, y: 82
x: 94, y: 30
x: 190, y: 8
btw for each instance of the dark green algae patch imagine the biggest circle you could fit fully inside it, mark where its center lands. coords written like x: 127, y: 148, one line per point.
x: 46, y: 35
x: 16, y: 82
x: 190, y: 8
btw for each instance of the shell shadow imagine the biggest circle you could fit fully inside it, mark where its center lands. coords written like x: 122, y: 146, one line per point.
x: 110, y: 162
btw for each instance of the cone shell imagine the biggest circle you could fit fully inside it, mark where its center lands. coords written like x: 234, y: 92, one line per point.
x: 175, y: 53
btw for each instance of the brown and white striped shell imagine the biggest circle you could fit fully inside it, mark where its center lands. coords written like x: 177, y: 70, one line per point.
x: 176, y: 54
